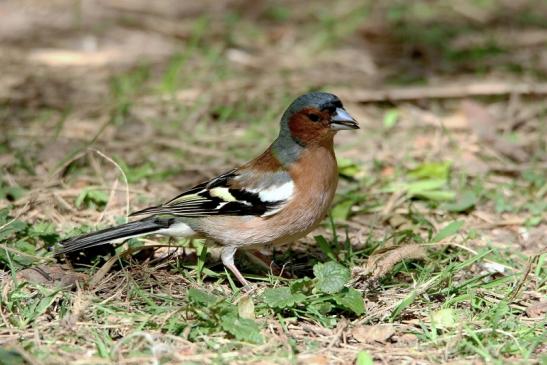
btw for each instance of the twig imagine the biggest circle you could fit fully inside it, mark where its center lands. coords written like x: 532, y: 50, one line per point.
x: 342, y: 325
x: 451, y: 91
x: 63, y: 202
x: 123, y: 175
x: 21, y: 253
x: 393, y: 201
x: 521, y: 282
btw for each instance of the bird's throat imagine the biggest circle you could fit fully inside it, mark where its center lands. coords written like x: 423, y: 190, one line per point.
x: 287, y: 150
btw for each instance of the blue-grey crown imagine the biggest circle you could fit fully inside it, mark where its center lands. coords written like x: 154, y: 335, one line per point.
x: 318, y: 100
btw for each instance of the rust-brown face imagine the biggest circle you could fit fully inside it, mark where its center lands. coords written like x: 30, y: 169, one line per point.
x: 312, y: 118
x: 311, y: 125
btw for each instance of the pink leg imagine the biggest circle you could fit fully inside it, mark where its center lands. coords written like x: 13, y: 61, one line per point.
x: 227, y: 256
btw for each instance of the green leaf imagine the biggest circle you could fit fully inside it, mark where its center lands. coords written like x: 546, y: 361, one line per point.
x: 45, y: 231
x: 502, y: 205
x: 325, y: 247
x: 342, y: 210
x: 282, y: 297
x: 200, y: 297
x: 201, y: 251
x: 137, y: 173
x: 11, y: 357
x: 322, y: 308
x: 242, y: 329
x: 364, y: 358
x: 15, y: 226
x: 24, y: 246
x: 347, y: 167
x: 11, y: 192
x: 447, y: 231
x: 331, y: 277
x: 43, y: 305
x: 352, y: 300
x: 425, y: 185
x: 18, y: 261
x: 444, y: 318
x: 431, y: 170
x: 303, y: 285
x: 436, y: 195
x: 431, y: 189
x: 390, y: 118
x: 42, y: 229
x: 91, y: 197
x: 429, y: 182
x: 464, y: 202
x: 408, y: 300
x: 102, y: 348
x: 533, y: 221
x: 4, y: 216
x: 246, y: 307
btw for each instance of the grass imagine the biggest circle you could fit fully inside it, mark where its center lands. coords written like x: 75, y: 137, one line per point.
x: 434, y: 251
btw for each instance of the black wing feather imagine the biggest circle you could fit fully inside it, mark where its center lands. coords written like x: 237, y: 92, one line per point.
x: 198, y: 201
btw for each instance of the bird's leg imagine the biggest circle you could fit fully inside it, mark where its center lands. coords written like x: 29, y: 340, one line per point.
x: 227, y: 256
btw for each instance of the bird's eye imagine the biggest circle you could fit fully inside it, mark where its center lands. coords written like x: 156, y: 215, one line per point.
x: 314, y: 117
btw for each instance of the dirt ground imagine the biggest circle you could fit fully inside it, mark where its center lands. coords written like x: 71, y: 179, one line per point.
x: 108, y: 106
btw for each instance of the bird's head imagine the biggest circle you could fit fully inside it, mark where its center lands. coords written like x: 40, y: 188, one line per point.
x: 315, y: 116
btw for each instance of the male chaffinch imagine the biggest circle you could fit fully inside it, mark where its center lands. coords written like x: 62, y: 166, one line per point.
x: 278, y: 197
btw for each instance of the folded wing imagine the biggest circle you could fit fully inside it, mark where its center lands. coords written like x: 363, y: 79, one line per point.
x: 237, y: 192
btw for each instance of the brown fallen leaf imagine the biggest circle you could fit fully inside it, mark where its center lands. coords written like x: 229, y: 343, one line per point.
x: 383, y: 260
x: 479, y: 119
x: 53, y: 275
x: 312, y: 359
x: 471, y: 164
x: 377, y: 333
x: 483, y: 124
x: 537, y: 309
x: 407, y: 339
x: 456, y: 121
x: 101, y: 273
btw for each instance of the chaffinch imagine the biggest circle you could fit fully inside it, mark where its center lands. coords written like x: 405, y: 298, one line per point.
x: 277, y: 198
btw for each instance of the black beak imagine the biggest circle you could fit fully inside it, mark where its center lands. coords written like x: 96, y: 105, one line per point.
x: 342, y: 120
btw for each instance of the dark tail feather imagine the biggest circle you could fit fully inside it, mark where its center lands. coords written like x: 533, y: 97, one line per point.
x: 127, y: 230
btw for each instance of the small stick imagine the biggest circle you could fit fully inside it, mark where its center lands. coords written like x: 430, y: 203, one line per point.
x: 451, y: 91
x: 123, y: 175
x: 525, y: 275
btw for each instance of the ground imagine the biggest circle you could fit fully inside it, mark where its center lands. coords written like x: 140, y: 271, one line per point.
x: 434, y: 251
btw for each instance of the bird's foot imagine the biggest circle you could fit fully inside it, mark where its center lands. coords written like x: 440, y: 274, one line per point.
x: 248, y: 288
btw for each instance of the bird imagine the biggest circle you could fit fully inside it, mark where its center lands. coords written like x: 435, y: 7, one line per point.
x: 276, y: 198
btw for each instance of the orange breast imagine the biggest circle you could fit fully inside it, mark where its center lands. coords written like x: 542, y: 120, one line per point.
x: 316, y: 179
